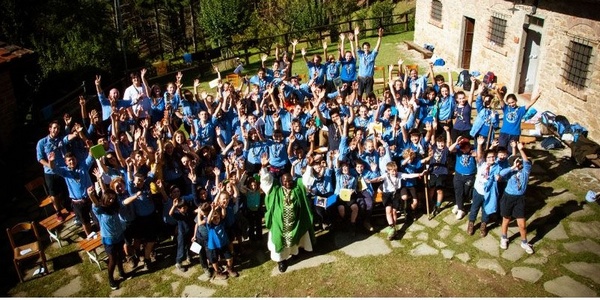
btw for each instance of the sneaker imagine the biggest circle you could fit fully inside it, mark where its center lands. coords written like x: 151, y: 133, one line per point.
x: 233, y: 273
x: 113, y: 285
x: 60, y: 217
x: 503, y: 243
x: 391, y: 233
x: 527, y: 247
x: 221, y: 276
x: 368, y: 226
x: 436, y: 210
x: 180, y: 267
x: 483, y: 229
x: 460, y: 214
x: 76, y: 222
x: 470, y: 228
x: 455, y: 209
x: 282, y: 266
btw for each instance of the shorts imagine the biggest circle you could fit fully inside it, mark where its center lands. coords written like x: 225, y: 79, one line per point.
x: 365, y: 85
x: 437, y: 181
x: 82, y: 209
x: 391, y: 199
x: 513, y: 206
x: 412, y: 190
x: 114, y: 249
x: 213, y: 254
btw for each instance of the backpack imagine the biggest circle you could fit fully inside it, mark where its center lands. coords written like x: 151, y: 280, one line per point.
x: 489, y: 78
x: 464, y: 80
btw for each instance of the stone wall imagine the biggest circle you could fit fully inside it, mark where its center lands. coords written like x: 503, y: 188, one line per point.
x: 563, y: 21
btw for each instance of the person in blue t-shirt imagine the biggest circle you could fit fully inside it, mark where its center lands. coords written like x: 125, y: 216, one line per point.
x: 347, y: 60
x: 511, y: 119
x: 464, y: 177
x: 106, y: 208
x: 513, y: 200
x: 366, y: 63
x: 218, y: 242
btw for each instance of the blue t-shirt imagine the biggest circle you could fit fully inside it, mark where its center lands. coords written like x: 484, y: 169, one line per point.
x: 466, y: 164
x: 111, y: 228
x: 348, y: 69
x: 517, y: 180
x: 366, y: 63
x: 217, y: 236
x: 511, y: 121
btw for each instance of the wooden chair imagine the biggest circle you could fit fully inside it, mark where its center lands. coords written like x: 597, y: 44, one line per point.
x: 20, y: 236
x: 90, y: 246
x: 383, y: 79
x: 38, y: 191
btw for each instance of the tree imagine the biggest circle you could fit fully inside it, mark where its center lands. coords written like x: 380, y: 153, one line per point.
x: 221, y: 19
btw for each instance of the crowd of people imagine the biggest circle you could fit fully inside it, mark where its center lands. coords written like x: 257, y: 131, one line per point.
x: 211, y: 167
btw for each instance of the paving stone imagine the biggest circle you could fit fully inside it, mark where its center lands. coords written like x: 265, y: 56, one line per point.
x: 195, y: 291
x: 586, y: 210
x: 585, y: 229
x: 73, y: 271
x: 99, y: 278
x: 562, y: 198
x: 174, y: 286
x: 415, y: 227
x: 396, y: 244
x: 536, y: 260
x: 415, y: 244
x: 118, y: 293
x: 445, y: 232
x: 423, y: 250
x: 526, y: 273
x: 222, y: 282
x: 488, y: 245
x: 428, y: 223
x: 491, y: 264
x: 447, y: 253
x: 311, y: 262
x: 204, y: 277
x: 423, y: 236
x: 407, y: 235
x: 589, y: 270
x: 566, y: 286
x: 187, y: 274
x: 583, y: 246
x: 459, y: 239
x: 439, y: 244
x: 557, y: 233
x: 451, y: 219
x: 69, y: 289
x: 464, y: 257
x: 373, y: 245
x: 513, y: 253
x: 547, y: 251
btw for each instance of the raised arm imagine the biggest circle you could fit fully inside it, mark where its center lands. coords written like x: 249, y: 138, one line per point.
x: 534, y: 99
x: 379, y: 36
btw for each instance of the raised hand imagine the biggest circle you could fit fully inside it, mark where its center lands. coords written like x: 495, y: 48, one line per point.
x: 294, y: 42
x: 342, y: 37
x: 480, y: 140
x: 264, y: 159
x: 356, y: 30
x: 263, y: 57
x: 324, y: 45
x: 303, y: 51
x: 98, y: 79
x: 143, y: 72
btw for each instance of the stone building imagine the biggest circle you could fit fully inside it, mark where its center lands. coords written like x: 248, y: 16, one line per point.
x: 550, y: 44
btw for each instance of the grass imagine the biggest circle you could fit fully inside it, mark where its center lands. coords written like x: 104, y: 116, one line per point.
x: 389, y: 54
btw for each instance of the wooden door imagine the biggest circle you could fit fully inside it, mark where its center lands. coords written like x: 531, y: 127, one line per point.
x: 467, y: 47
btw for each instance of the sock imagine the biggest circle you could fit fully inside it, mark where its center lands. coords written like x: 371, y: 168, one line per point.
x: 504, y: 236
x: 438, y: 204
x: 524, y: 241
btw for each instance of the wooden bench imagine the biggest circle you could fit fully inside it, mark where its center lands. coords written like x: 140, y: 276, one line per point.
x: 413, y: 46
x: 90, y: 246
x: 53, y: 225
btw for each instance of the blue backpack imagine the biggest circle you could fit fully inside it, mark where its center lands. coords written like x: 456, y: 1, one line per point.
x: 464, y: 80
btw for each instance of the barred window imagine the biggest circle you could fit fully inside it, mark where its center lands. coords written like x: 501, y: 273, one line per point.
x: 497, y: 30
x: 436, y: 10
x: 577, y: 63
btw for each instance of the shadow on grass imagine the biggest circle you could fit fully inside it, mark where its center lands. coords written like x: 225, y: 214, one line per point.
x: 66, y: 261
x: 545, y: 224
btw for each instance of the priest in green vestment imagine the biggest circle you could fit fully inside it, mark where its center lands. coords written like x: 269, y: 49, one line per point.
x: 288, y: 215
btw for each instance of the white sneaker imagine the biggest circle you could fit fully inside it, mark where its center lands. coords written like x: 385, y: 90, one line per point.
x: 527, y: 247
x: 460, y: 214
x: 503, y: 243
x: 455, y: 209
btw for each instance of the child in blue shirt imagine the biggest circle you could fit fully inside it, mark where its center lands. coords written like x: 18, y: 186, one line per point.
x: 465, y: 170
x: 218, y: 242
x: 511, y: 119
x: 513, y: 200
